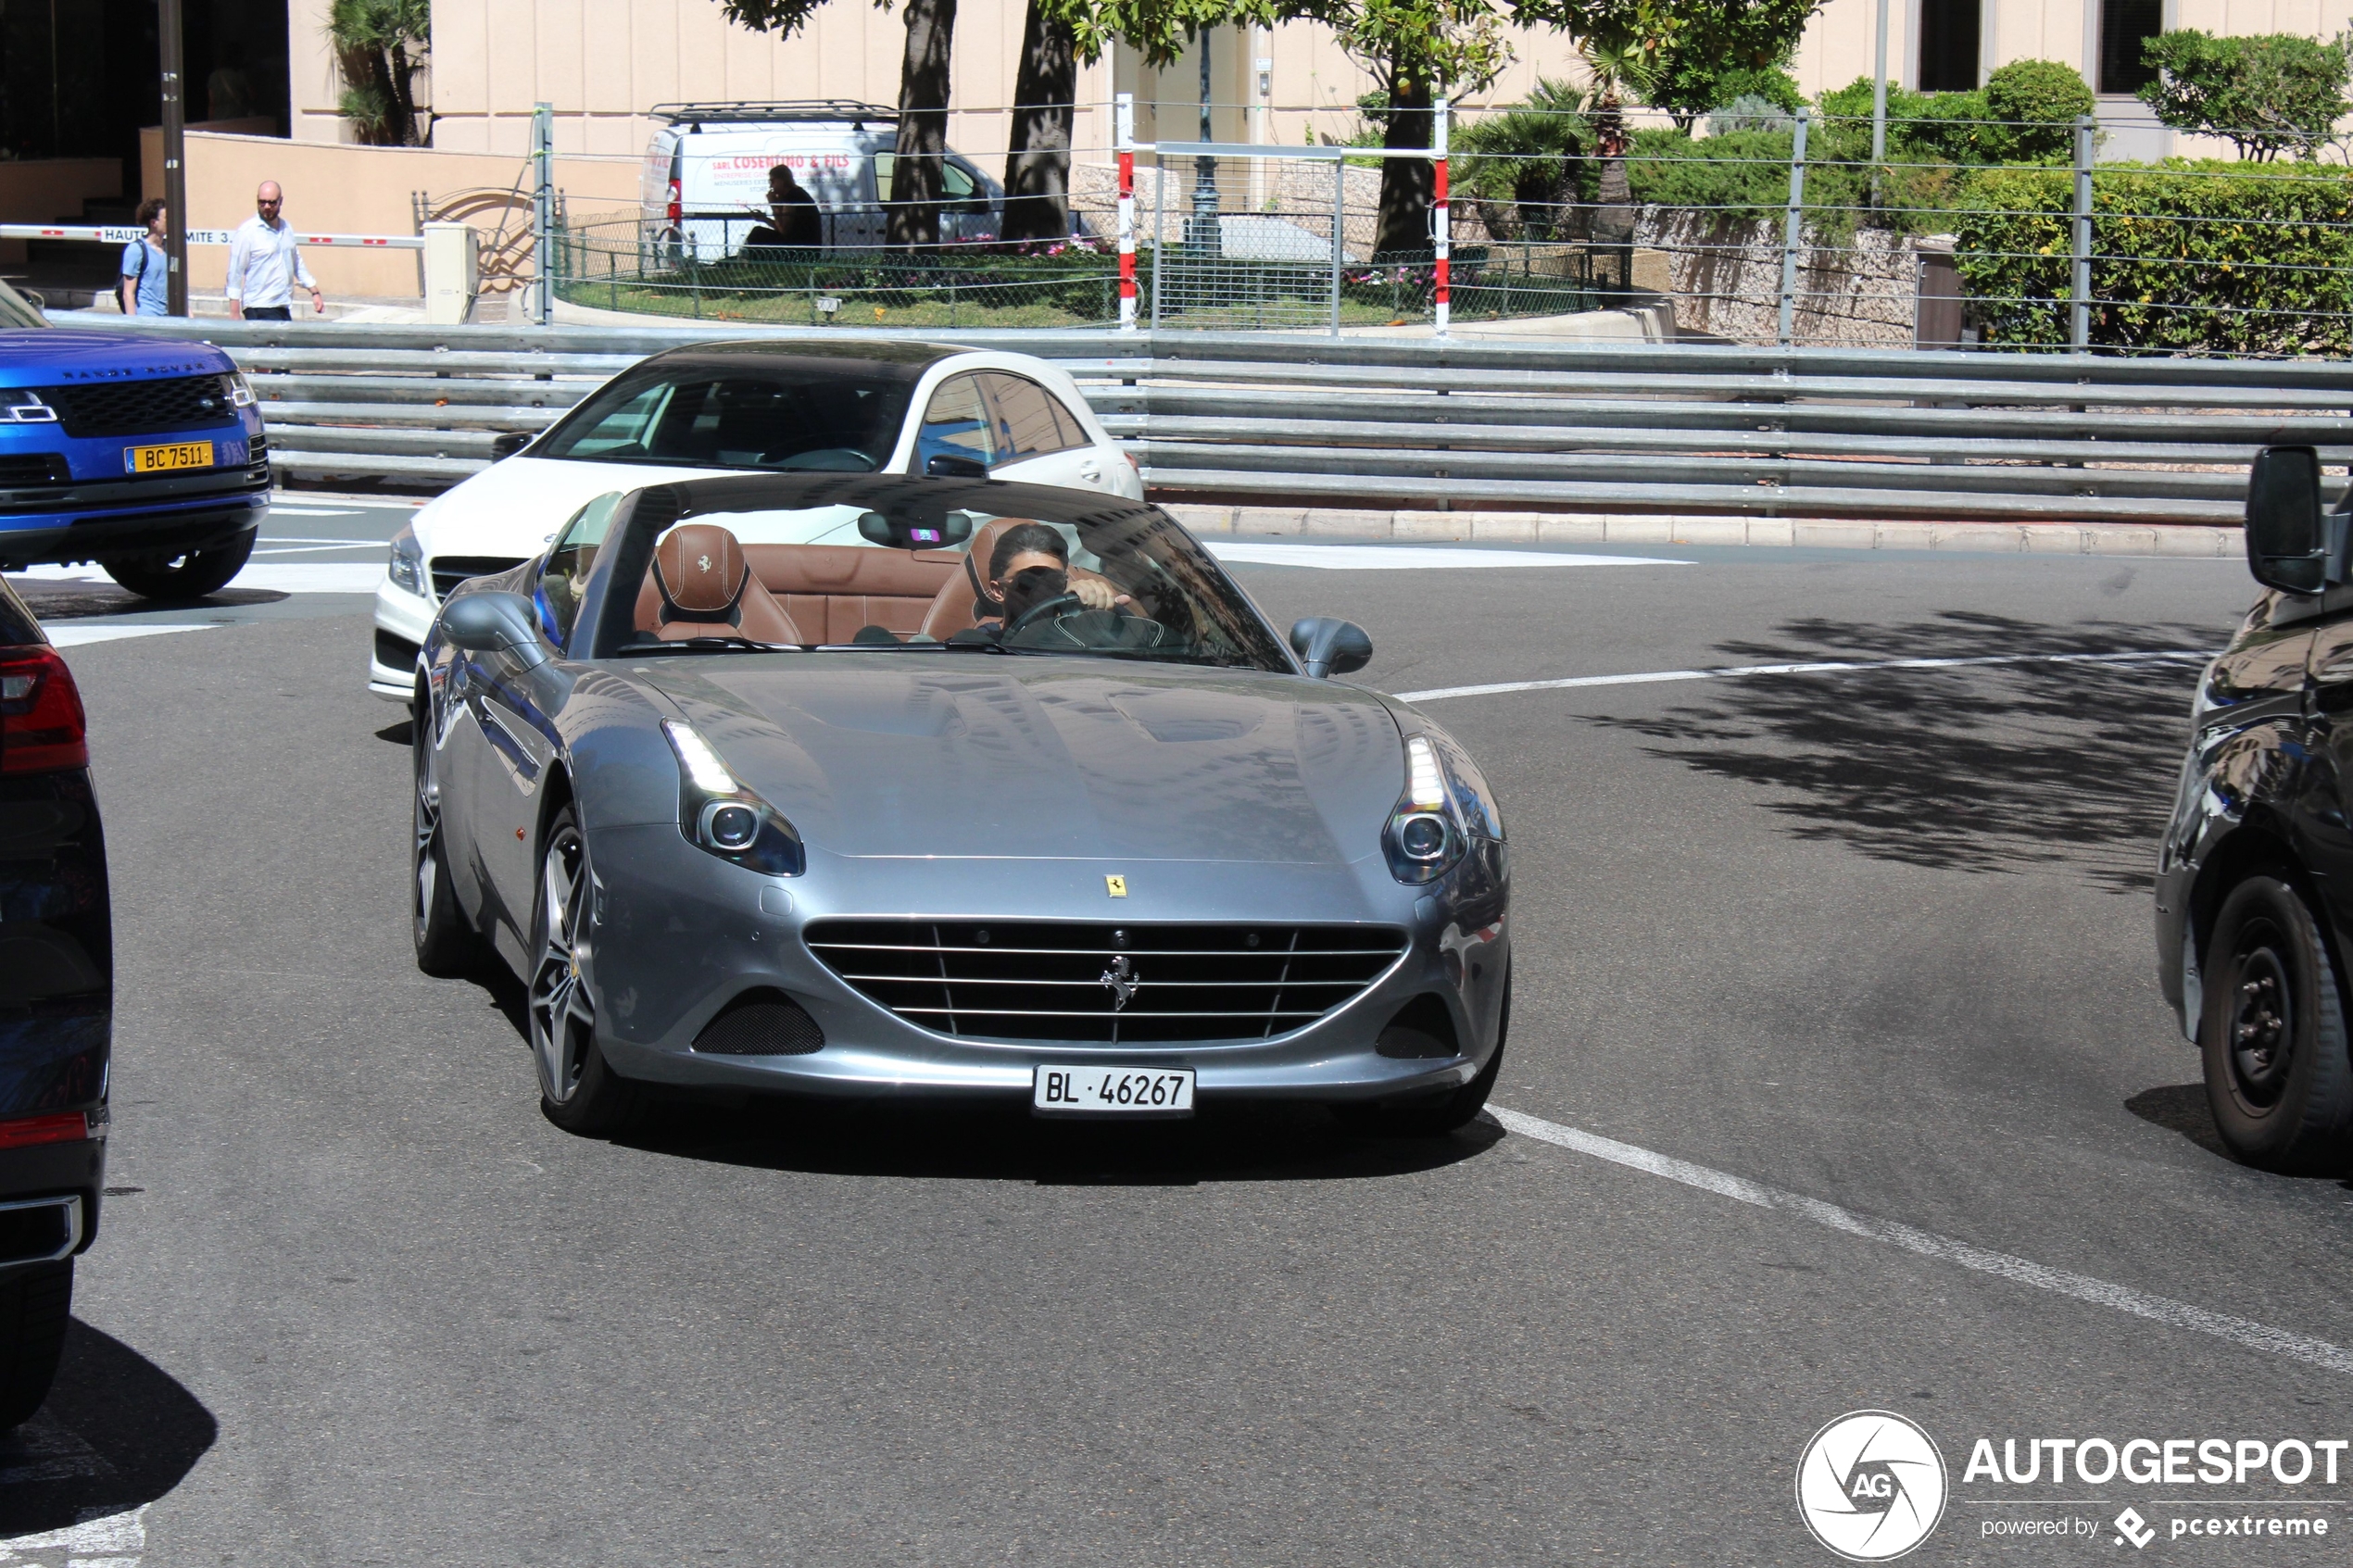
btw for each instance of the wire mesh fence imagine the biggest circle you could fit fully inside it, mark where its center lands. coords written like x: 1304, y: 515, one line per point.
x: 2004, y: 235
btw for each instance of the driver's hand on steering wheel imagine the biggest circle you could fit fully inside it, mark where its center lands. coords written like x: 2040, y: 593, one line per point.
x: 1096, y: 594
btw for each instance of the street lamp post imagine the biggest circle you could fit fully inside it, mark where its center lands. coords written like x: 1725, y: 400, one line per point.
x: 1206, y: 237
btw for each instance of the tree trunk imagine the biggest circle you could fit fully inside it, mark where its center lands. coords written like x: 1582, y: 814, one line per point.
x: 1614, y: 208
x: 1408, y: 185
x: 404, y: 98
x: 916, y: 181
x: 1038, y: 163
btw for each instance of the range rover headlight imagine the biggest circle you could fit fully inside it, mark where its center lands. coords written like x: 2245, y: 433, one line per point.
x: 240, y: 390
x: 22, y: 406
x: 406, y: 566
x: 1445, y: 806
x: 718, y: 815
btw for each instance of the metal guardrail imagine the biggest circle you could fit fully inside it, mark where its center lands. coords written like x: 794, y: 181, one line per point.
x: 1586, y: 426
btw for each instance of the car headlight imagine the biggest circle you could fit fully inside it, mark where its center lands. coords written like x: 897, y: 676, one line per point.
x: 240, y: 390
x: 718, y: 815
x: 406, y: 566
x: 1445, y: 806
x: 22, y: 406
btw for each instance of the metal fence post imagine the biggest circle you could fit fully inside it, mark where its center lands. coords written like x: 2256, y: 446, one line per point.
x: 1340, y: 229
x: 1441, y: 218
x: 1123, y: 120
x: 2079, y: 325
x: 1791, y: 229
x: 543, y: 193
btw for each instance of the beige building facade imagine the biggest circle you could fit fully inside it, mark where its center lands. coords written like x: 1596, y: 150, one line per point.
x: 603, y: 63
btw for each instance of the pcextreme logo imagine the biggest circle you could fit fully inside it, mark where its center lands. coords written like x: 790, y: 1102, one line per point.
x: 1871, y: 1485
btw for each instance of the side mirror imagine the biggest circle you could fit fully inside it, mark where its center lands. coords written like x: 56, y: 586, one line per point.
x: 948, y: 465
x: 506, y: 446
x: 492, y: 622
x: 1328, y: 645
x: 2287, y: 547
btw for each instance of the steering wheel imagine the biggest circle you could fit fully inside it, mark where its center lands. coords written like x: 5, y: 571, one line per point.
x: 1050, y: 609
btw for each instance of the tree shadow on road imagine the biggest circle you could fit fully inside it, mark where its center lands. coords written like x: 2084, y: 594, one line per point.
x: 118, y: 1431
x: 1992, y: 768
x: 995, y: 1142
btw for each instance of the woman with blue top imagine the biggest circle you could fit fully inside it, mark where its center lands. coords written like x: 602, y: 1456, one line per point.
x: 146, y: 269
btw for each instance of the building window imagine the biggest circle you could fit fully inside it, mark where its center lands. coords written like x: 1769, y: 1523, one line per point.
x: 1948, y: 45
x: 2125, y: 25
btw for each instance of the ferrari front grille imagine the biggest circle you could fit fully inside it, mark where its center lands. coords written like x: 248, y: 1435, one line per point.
x: 450, y: 570
x: 1131, y: 984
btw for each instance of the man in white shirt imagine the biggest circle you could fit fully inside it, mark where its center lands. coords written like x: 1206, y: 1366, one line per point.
x: 265, y: 264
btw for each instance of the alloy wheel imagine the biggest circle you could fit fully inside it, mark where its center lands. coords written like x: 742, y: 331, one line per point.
x: 426, y: 864
x: 563, y: 1017
x: 2262, y: 1027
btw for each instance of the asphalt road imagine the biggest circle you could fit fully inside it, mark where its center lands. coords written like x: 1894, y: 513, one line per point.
x: 1877, y: 939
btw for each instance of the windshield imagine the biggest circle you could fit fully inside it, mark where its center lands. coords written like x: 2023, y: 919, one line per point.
x: 695, y: 416
x: 18, y: 311
x: 900, y: 565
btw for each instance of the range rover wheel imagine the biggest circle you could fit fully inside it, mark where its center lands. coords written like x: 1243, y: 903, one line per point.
x: 447, y: 945
x: 2273, y: 1031
x: 35, y: 1301
x: 577, y: 1090
x: 188, y: 576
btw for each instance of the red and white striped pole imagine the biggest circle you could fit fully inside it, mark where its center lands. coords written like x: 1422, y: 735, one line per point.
x: 1123, y: 138
x: 1441, y: 218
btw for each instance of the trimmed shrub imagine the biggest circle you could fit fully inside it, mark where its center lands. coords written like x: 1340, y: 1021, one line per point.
x: 2266, y: 95
x: 2042, y: 99
x: 2189, y: 258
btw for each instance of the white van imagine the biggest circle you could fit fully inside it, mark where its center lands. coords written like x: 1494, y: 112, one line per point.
x: 705, y: 185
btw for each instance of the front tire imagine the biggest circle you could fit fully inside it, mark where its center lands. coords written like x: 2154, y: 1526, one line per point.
x: 448, y: 945
x: 578, y: 1090
x: 35, y: 1303
x: 2272, y: 1033
x: 190, y: 575
x: 1436, y: 1118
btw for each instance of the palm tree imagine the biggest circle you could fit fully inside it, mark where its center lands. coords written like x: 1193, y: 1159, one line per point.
x: 380, y: 45
x: 1520, y: 167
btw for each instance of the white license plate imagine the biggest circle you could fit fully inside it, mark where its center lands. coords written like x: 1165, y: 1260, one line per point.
x: 1112, y: 1091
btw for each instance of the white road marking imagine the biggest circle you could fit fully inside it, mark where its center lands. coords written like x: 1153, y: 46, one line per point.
x: 113, y: 1539
x: 1836, y: 667
x: 74, y: 633
x: 286, y: 577
x: 306, y: 539
x: 314, y: 549
x: 1412, y: 558
x: 277, y: 511
x: 1928, y: 1244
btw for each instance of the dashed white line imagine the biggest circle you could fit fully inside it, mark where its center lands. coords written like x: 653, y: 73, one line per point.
x: 1826, y: 667
x: 69, y: 635
x: 116, y: 1539
x: 1928, y: 1244
x: 277, y: 511
x: 1413, y: 558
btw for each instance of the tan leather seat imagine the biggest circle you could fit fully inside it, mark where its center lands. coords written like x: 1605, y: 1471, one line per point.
x: 834, y: 591
x: 701, y: 586
x: 963, y: 602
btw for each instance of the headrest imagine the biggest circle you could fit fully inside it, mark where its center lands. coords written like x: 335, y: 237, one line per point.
x: 701, y: 567
x: 976, y: 559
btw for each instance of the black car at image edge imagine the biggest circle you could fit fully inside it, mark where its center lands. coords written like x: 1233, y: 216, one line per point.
x: 57, y: 1005
x: 2255, y: 875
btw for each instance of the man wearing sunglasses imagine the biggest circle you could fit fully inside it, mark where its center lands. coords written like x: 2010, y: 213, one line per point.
x: 265, y: 265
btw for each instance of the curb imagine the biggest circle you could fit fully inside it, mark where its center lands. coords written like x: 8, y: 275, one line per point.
x: 2194, y: 540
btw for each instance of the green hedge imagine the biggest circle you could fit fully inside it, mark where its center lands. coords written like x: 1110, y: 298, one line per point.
x: 2269, y: 270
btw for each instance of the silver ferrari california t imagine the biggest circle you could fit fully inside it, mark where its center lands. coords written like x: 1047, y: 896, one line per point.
x: 853, y: 785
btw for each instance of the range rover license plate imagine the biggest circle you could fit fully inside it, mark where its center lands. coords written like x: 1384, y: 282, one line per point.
x: 1112, y: 1091
x: 157, y: 459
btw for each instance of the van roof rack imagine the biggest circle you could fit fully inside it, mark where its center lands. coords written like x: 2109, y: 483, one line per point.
x: 745, y: 111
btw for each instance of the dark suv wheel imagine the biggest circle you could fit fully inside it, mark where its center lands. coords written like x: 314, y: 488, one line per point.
x: 188, y: 576
x: 2273, y: 1031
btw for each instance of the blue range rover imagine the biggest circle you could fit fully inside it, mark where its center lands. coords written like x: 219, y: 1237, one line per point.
x: 142, y: 453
